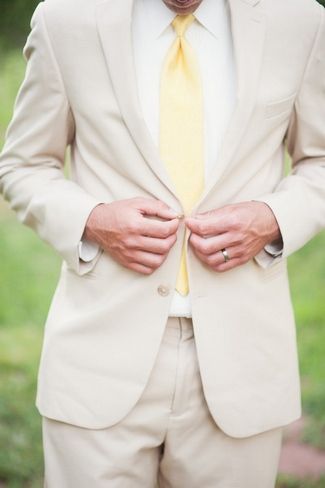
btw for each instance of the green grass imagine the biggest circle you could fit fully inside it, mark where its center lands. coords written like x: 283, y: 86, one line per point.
x: 11, y: 74
x: 26, y: 298
x: 288, y: 482
x: 28, y: 272
x: 307, y: 272
x: 20, y: 433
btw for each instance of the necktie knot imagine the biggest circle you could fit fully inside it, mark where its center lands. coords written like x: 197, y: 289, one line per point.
x: 181, y: 23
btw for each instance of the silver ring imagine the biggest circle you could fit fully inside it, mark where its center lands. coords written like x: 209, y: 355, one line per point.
x: 225, y: 255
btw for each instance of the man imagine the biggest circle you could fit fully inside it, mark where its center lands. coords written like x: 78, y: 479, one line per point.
x: 169, y: 354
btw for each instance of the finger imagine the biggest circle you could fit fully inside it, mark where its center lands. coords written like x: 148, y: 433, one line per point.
x: 214, y: 213
x: 150, y: 244
x: 156, y: 208
x: 233, y: 263
x: 155, y: 228
x: 211, y: 244
x: 211, y: 261
x: 207, y: 226
x: 149, y: 259
x: 206, y: 215
x: 217, y: 258
x: 139, y: 268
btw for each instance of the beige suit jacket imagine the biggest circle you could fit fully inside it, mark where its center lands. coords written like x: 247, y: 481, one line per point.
x: 106, y: 322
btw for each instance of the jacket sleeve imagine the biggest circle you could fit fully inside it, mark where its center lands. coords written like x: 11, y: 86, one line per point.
x: 298, y: 203
x: 32, y: 160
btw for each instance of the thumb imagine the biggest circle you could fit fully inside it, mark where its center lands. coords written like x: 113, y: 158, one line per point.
x: 204, y: 215
x: 157, y: 208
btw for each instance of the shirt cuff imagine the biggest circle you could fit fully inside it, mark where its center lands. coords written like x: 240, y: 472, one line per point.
x: 88, y: 250
x: 275, y: 248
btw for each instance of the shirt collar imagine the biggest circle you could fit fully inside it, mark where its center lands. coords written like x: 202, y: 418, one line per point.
x: 210, y: 14
x: 158, y: 17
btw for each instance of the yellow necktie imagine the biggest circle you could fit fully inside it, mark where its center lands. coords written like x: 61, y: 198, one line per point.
x: 181, y: 126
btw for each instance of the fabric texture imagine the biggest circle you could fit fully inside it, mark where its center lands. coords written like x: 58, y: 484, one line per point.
x: 168, y: 436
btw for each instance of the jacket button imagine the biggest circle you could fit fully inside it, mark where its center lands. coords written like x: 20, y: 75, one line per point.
x: 163, y: 290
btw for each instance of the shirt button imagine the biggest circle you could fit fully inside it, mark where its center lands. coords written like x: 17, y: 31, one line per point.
x: 163, y: 290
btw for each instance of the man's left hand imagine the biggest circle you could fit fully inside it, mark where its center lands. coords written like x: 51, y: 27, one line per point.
x: 242, y: 229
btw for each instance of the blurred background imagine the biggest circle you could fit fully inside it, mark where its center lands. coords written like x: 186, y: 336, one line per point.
x: 28, y: 274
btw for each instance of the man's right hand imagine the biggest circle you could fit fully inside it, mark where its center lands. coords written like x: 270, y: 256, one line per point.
x: 126, y: 230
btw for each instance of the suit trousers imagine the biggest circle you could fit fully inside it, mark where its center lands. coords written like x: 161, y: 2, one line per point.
x: 167, y: 440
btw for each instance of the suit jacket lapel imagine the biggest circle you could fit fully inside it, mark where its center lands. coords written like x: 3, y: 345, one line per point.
x: 248, y: 33
x: 114, y: 22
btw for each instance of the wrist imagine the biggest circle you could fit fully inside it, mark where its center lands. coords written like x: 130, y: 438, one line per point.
x: 275, y: 234
x: 92, y: 223
x: 272, y: 227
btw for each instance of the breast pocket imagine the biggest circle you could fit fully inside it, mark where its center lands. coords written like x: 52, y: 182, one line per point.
x: 280, y: 107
